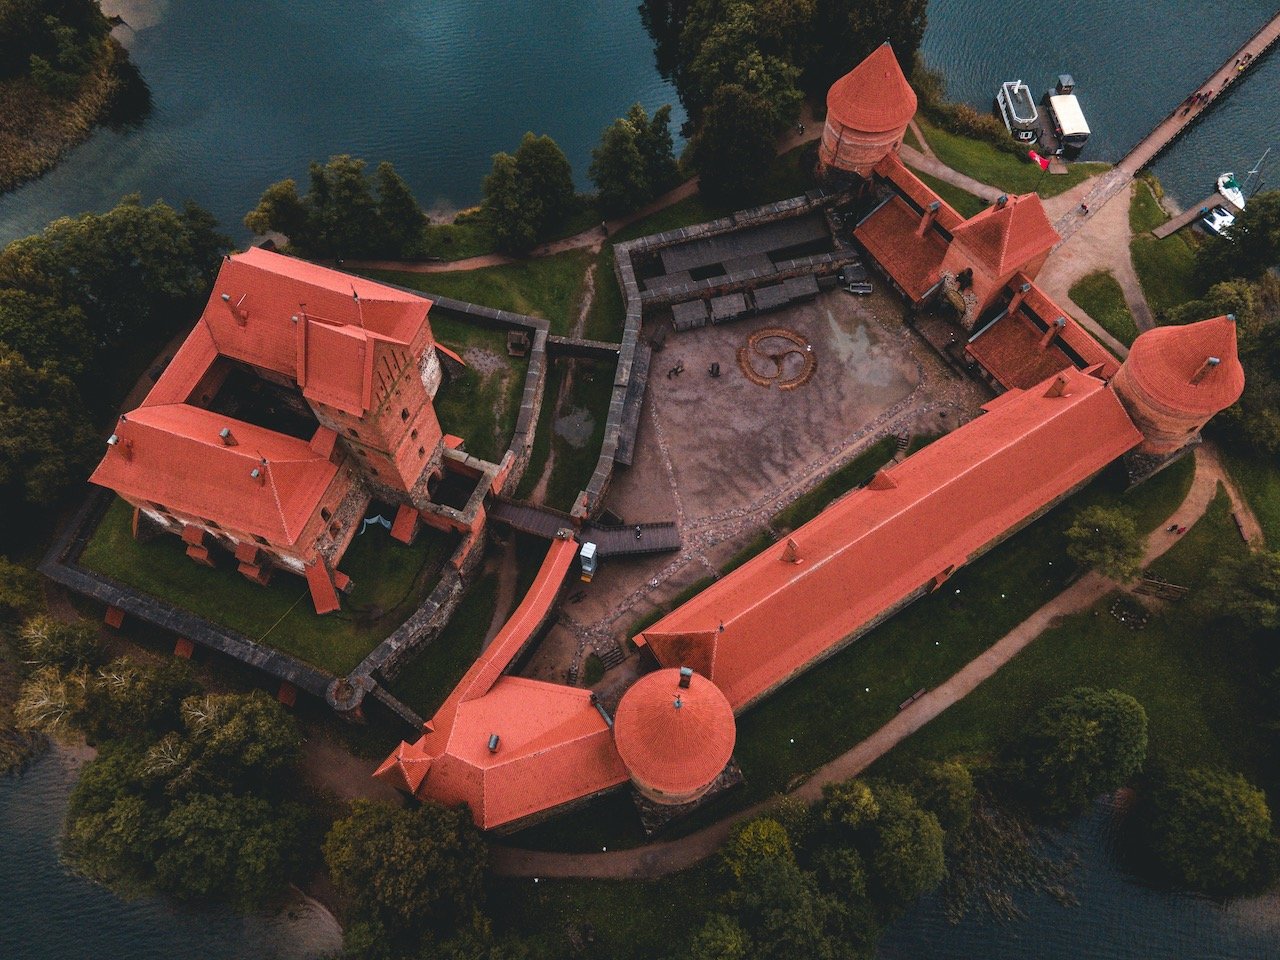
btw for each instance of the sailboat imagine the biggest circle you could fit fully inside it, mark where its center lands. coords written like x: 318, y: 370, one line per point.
x: 1218, y: 219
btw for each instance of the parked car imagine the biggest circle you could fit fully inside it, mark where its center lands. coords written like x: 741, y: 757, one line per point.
x: 862, y: 289
x: 854, y: 273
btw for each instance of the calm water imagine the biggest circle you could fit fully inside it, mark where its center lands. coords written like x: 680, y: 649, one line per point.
x: 1115, y: 920
x: 247, y: 93
x: 51, y: 914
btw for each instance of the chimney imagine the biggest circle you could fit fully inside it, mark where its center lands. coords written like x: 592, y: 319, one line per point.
x: 258, y: 472
x: 930, y: 214
x: 791, y: 553
x: 225, y: 435
x: 1058, y: 388
x: 1054, y: 329
x: 237, y: 308
x: 1018, y: 297
x: 1209, y: 364
x: 686, y: 676
x: 493, y: 742
x: 1001, y: 201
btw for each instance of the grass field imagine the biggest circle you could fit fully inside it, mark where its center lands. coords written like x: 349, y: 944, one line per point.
x: 1100, y: 296
x: 574, y: 461
x: 1258, y: 478
x: 1165, y: 267
x: 1016, y: 174
x: 388, y: 581
x: 1198, y: 685
x: 841, y: 701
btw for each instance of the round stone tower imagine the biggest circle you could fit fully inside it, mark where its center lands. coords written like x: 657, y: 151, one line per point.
x: 675, y: 732
x: 1176, y: 378
x: 867, y: 113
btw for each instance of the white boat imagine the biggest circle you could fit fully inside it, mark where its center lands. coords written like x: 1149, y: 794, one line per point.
x: 1219, y: 218
x: 1018, y: 110
x: 1069, y: 126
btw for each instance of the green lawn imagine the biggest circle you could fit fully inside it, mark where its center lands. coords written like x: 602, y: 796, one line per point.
x: 965, y: 203
x: 1100, y: 296
x: 1166, y: 268
x: 1016, y: 174
x: 547, y: 287
x: 1198, y: 685
x: 846, y: 698
x: 388, y: 581
x: 429, y: 677
x: 1258, y: 478
x: 542, y: 437
x: 469, y: 234
x: 573, y: 462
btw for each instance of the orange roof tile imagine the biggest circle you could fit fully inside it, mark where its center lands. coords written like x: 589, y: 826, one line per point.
x: 913, y: 261
x: 1007, y: 238
x: 172, y: 454
x: 877, y: 546
x: 553, y: 747
x: 1076, y: 337
x: 892, y: 168
x: 874, y: 96
x: 1165, y: 361
x: 672, y: 739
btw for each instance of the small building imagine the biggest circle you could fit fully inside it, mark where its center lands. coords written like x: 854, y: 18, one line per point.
x: 688, y: 315
x: 868, y: 110
x: 729, y: 307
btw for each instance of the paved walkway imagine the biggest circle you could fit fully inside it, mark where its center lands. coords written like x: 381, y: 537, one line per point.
x: 936, y: 168
x: 671, y: 856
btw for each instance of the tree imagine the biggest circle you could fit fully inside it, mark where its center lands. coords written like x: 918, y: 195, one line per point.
x: 734, y: 149
x: 46, y: 642
x: 544, y: 175
x: 42, y: 330
x: 125, y: 697
x: 416, y: 872
x: 618, y: 170
x: 234, y: 741
x: 514, y: 217
x: 21, y: 591
x: 1106, y: 539
x: 653, y: 140
x: 842, y: 33
x: 758, y: 840
x: 402, y: 218
x: 905, y: 852
x: 1250, y: 246
x: 281, y: 210
x: 239, y: 848
x: 113, y: 832
x: 720, y: 938
x: 849, y: 806
x: 947, y: 791
x: 1207, y: 830
x: 342, y: 213
x: 1081, y: 745
x: 1246, y: 590
x: 782, y: 911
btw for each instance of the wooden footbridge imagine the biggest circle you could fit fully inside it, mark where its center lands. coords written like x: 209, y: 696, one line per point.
x: 1178, y: 121
x: 610, y: 541
x: 1193, y: 213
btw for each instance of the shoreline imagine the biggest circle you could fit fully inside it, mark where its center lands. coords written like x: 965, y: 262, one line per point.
x: 49, y: 129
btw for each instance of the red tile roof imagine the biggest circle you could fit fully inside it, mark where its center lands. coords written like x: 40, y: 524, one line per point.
x: 172, y: 455
x: 892, y: 168
x: 553, y: 747
x: 874, y: 96
x: 672, y: 739
x: 1073, y: 335
x: 914, y: 262
x: 1165, y: 361
x: 925, y: 517
x: 1006, y: 239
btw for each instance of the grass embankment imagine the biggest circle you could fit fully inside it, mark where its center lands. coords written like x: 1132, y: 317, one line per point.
x: 469, y: 234
x: 546, y: 287
x: 964, y: 202
x: 388, y: 581
x: 838, y: 703
x: 1100, y: 296
x: 574, y: 455
x: 1015, y: 174
x: 36, y: 129
x: 1198, y: 685
x: 1258, y: 479
x: 1166, y: 268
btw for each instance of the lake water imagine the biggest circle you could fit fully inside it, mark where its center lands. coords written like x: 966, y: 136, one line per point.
x: 1116, y: 919
x: 247, y: 93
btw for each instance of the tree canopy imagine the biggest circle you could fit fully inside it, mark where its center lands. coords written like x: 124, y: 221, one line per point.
x: 344, y: 212
x: 1207, y: 830
x: 1107, y: 540
x: 1246, y: 590
x: 1083, y: 744
x: 413, y: 873
x: 734, y: 148
x: 528, y: 195
x: 634, y: 161
x: 1249, y: 247
x: 53, y: 41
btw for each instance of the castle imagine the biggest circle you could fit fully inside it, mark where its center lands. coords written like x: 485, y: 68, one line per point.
x: 300, y: 396
x: 513, y: 749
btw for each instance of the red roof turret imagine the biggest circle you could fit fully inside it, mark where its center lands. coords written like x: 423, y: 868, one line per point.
x: 1193, y: 368
x: 674, y: 740
x: 874, y: 96
x: 1008, y: 235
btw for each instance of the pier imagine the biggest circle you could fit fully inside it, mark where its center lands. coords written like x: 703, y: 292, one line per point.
x: 1193, y: 213
x: 1182, y: 117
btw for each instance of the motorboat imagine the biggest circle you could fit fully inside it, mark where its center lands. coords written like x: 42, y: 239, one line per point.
x: 1017, y: 109
x: 1221, y: 216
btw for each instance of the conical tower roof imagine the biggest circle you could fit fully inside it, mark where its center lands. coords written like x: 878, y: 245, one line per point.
x: 1175, y: 366
x: 1009, y: 235
x: 874, y: 96
x: 674, y: 739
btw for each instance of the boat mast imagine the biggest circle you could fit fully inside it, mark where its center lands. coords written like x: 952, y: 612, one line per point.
x: 1252, y: 173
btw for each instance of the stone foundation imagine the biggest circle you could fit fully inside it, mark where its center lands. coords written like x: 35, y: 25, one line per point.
x: 655, y: 817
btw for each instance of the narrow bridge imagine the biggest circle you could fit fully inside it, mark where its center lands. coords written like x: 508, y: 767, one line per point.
x: 1182, y: 117
x: 610, y: 541
x: 1192, y: 213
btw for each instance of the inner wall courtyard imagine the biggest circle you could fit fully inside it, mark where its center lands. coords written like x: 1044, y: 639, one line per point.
x: 723, y: 454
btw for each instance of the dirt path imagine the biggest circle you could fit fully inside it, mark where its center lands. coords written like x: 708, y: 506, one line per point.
x: 924, y: 143
x: 508, y: 571
x: 333, y: 770
x: 1251, y: 529
x: 660, y: 859
x: 936, y: 168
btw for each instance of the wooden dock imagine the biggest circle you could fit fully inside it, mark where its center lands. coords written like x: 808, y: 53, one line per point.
x: 1179, y: 120
x: 1192, y: 214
